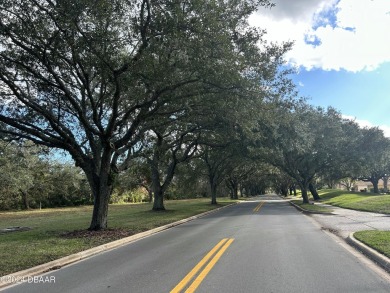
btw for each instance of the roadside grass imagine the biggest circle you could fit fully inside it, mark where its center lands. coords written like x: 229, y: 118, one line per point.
x: 312, y: 207
x: 379, y: 240
x: 361, y: 201
x: 59, y: 232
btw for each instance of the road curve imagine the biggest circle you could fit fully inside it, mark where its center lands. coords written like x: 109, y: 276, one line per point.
x: 257, y: 246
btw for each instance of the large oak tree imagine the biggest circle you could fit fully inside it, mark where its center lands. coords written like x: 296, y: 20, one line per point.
x: 306, y: 142
x: 92, y: 77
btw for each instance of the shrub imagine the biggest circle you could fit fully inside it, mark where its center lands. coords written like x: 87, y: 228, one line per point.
x: 130, y: 196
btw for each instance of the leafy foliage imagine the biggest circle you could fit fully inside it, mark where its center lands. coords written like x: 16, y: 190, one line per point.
x: 28, y: 179
x: 92, y: 78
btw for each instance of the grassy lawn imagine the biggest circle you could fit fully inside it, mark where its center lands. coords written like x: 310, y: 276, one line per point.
x: 312, y: 207
x: 53, y: 235
x: 361, y: 201
x: 379, y: 240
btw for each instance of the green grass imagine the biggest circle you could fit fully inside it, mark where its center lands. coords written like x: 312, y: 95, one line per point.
x: 379, y: 240
x: 312, y: 207
x: 49, y: 237
x: 361, y: 201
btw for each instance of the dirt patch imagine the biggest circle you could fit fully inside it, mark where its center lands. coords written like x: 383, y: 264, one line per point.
x: 14, y: 229
x: 107, y: 234
x: 333, y: 231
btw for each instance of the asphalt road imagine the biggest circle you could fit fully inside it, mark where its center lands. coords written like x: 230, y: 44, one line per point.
x: 259, y: 246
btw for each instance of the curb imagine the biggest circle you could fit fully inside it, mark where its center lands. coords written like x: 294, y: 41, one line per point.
x: 307, y: 211
x: 371, y: 253
x: 23, y: 276
x: 380, y: 259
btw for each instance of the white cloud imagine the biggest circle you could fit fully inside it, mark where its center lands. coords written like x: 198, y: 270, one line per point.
x: 365, y: 123
x: 295, y: 10
x: 386, y: 130
x: 330, y: 34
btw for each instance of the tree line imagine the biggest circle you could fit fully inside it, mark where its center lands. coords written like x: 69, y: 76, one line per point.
x: 30, y: 178
x: 161, y: 93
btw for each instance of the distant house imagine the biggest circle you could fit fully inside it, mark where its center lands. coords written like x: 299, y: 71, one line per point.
x: 366, y: 186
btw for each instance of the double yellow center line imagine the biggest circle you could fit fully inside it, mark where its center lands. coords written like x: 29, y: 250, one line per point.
x: 217, y: 252
x: 258, y: 207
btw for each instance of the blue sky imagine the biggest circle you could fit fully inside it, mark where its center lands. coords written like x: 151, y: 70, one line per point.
x: 342, y: 52
x: 364, y: 95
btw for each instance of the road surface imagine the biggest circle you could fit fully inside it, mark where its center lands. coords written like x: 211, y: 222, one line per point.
x: 259, y: 246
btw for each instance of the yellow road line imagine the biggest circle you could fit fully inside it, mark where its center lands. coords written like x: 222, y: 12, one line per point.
x: 192, y: 273
x: 208, y: 268
x: 258, y: 207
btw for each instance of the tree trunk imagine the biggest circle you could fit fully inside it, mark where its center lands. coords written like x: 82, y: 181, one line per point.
x: 284, y: 190
x: 374, y: 182
x: 25, y: 201
x: 233, y: 185
x: 385, y: 180
x: 313, y: 191
x: 331, y: 184
x: 101, y: 189
x: 213, y: 193
x: 305, y: 197
x: 158, y: 203
x: 158, y: 188
x: 293, y: 190
x: 235, y: 191
x: 158, y: 192
x: 101, y: 177
x: 159, y: 183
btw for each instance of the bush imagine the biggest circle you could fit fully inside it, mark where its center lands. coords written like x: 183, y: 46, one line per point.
x: 138, y: 195
x: 131, y: 196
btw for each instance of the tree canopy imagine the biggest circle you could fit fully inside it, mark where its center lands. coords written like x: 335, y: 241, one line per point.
x: 93, y: 77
